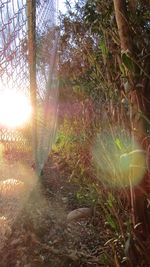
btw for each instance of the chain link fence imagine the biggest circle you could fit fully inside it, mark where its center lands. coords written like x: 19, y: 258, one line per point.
x: 28, y: 64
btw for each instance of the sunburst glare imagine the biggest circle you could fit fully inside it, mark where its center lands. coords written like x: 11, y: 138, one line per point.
x: 15, y: 109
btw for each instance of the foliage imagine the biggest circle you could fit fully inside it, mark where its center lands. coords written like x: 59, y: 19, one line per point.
x: 94, y: 67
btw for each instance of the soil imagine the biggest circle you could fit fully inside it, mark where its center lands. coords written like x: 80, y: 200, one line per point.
x: 35, y: 231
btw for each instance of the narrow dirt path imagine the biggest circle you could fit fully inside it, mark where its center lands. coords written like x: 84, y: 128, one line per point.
x: 40, y: 235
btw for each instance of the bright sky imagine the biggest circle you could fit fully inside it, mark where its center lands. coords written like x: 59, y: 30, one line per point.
x: 61, y: 5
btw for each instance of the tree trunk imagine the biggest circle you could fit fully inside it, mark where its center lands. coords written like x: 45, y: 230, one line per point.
x: 137, y: 106
x: 122, y: 24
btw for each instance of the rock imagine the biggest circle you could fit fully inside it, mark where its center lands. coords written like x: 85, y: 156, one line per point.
x: 81, y: 213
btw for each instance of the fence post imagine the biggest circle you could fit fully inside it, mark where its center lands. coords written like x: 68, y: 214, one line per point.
x: 31, y: 14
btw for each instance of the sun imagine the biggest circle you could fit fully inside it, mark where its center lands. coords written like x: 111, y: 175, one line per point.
x: 15, y: 109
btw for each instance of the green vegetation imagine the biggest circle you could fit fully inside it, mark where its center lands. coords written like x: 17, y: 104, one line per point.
x: 104, y: 72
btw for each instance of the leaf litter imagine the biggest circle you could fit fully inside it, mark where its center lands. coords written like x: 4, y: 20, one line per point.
x: 37, y: 233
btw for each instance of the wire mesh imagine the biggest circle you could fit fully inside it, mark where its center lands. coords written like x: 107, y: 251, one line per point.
x: 15, y: 69
x: 47, y: 38
x: 28, y: 65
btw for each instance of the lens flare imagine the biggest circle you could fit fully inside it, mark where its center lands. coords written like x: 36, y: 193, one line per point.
x: 119, y: 162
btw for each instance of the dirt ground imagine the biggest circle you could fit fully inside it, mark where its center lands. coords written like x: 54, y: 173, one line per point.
x: 35, y: 231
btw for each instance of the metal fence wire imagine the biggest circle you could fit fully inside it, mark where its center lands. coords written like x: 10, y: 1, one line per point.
x: 28, y: 64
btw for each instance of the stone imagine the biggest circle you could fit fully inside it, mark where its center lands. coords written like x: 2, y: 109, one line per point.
x: 81, y: 213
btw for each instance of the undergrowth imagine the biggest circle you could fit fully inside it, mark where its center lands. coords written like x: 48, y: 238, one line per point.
x: 93, y: 156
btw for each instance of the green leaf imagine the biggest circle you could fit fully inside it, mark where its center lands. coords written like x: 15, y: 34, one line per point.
x: 127, y: 61
x: 79, y: 196
x: 122, y: 70
x: 111, y: 222
x: 109, y: 202
x: 118, y: 143
x: 103, y: 48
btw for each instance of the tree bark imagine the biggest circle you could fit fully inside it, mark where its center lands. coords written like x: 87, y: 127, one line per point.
x: 132, y: 5
x: 122, y: 24
x: 137, y: 105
